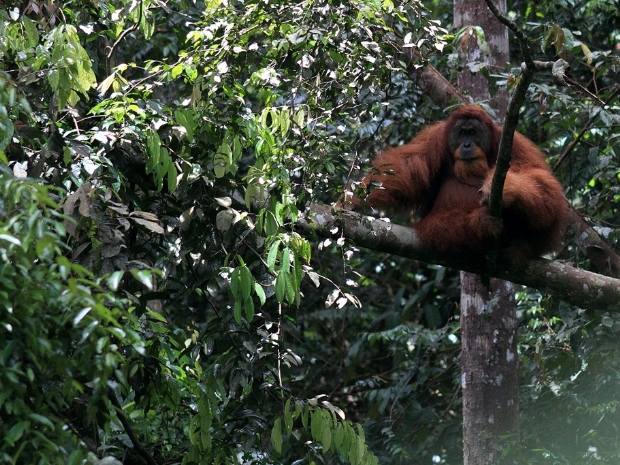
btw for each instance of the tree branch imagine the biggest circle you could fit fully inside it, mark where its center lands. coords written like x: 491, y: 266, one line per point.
x: 592, y: 245
x: 581, y: 288
x: 512, y: 114
x: 438, y: 88
x: 585, y: 128
x: 505, y: 143
x: 140, y: 449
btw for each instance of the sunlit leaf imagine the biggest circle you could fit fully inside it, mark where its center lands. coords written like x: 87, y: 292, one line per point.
x: 260, y: 292
x: 145, y: 277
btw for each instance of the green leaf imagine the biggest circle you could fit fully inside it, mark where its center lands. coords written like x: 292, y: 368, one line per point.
x: 299, y: 118
x: 286, y: 260
x: 248, y: 305
x: 12, y: 239
x: 276, y: 436
x: 76, y: 458
x: 205, y: 426
x: 326, y: 438
x: 260, y: 292
x: 264, y: 115
x: 271, y: 225
x: 161, y: 169
x: 297, y: 271
x: 84, y: 80
x: 106, y: 83
x: 222, y: 161
x: 114, y: 280
x: 285, y: 123
x: 178, y: 69
x: 147, y: 27
x: 234, y: 282
x: 236, y: 151
x: 32, y: 35
x: 360, y: 432
x: 53, y: 77
x: 291, y: 288
x: 285, y: 290
x: 316, y: 427
x: 273, y: 255
x: 278, y: 211
x: 361, y: 442
x: 352, y: 440
x: 281, y: 286
x: 246, y: 282
x: 338, y: 437
x: 172, y: 177
x: 156, y: 316
x: 41, y: 419
x: 185, y: 118
x: 288, y: 417
x: 153, y: 144
x: 145, y: 277
x: 237, y: 311
x: 193, y: 428
x: 45, y: 246
x: 16, y: 432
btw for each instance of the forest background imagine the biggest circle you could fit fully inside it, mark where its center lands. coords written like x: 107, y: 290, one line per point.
x: 160, y: 302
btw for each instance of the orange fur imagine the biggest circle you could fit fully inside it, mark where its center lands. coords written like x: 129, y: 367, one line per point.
x: 471, y: 169
x: 450, y: 193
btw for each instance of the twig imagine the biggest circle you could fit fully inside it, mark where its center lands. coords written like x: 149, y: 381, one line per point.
x: 581, y: 89
x: 560, y: 72
x: 124, y: 33
x: 140, y: 449
x: 576, y: 140
x: 279, y: 354
x: 87, y: 442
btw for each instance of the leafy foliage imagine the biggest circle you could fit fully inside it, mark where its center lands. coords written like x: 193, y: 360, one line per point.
x: 64, y: 335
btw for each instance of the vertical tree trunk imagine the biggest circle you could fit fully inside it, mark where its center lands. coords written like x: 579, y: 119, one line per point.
x: 489, y: 359
x: 492, y: 50
x: 489, y: 376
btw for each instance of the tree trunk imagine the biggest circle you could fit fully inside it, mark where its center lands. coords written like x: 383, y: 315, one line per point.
x: 489, y: 364
x: 474, y: 14
x: 489, y: 359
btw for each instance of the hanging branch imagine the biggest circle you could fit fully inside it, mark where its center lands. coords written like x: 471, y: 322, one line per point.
x: 133, y: 27
x: 512, y: 114
x: 138, y: 446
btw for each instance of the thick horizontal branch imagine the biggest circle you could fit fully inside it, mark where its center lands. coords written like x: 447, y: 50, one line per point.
x: 578, y: 287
